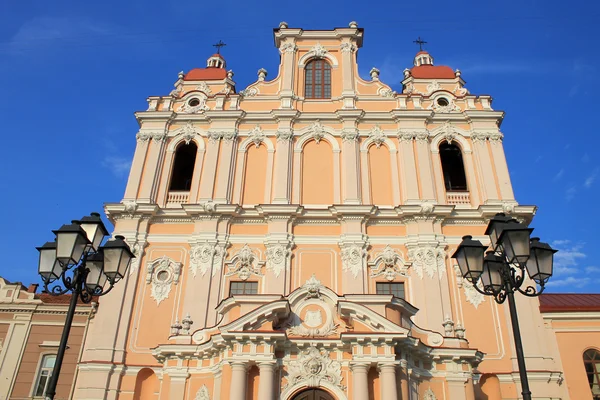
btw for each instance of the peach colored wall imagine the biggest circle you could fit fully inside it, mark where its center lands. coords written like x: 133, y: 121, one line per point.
x: 146, y: 385
x: 380, y: 175
x: 572, y: 345
x: 254, y: 175
x: 317, y: 173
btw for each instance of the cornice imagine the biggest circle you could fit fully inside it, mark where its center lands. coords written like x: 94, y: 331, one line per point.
x: 225, y: 114
x: 142, y: 116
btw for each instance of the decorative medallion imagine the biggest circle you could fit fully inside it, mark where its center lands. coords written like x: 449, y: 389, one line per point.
x: 188, y: 132
x: 162, y: 273
x: 244, y: 264
x: 194, y: 105
x: 202, y: 393
x: 203, y: 256
x: 278, y: 256
x: 288, y: 47
x: 450, y: 107
x: 388, y: 264
x: 353, y: 258
x: 318, y: 51
x: 257, y: 135
x: 318, y: 131
x: 284, y: 136
x: 313, y: 287
x: 347, y: 47
x: 377, y: 135
x: 386, y: 92
x: 349, y: 134
x: 203, y: 87
x: 313, y: 367
x: 428, y: 259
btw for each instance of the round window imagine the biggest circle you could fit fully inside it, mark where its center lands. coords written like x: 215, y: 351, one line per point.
x: 442, y: 102
x: 162, y: 276
x: 194, y: 102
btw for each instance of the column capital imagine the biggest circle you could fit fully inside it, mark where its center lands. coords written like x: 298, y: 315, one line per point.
x: 387, y: 366
x: 359, y: 366
x: 238, y: 364
x: 266, y: 364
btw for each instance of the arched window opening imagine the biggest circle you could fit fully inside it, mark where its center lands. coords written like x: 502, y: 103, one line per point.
x: 183, y: 167
x: 317, y: 84
x: 591, y: 360
x: 453, y: 168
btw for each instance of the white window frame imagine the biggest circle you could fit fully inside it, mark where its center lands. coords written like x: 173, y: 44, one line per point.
x: 38, y: 375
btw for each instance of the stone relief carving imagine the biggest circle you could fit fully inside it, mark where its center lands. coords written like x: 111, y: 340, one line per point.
x: 318, y: 131
x: 257, y: 135
x: 386, y: 92
x: 353, y: 258
x: 429, y: 395
x: 162, y: 273
x: 471, y: 294
x: 249, y: 92
x: 313, y: 287
x: 312, y: 367
x: 428, y: 259
x: 214, y: 136
x: 432, y: 87
x: 244, y: 264
x: 188, y: 132
x: 349, y: 135
x: 451, y: 107
x: 347, y: 47
x: 202, y: 393
x: 313, y: 318
x: 130, y: 207
x: 283, y: 136
x: 388, y: 264
x: 278, y: 257
x: 155, y: 136
x: 318, y: 51
x: 186, y: 108
x: 203, y: 87
x: 288, y: 47
x: 460, y: 91
x: 138, y: 251
x: 377, y: 135
x: 203, y: 256
x: 493, y: 137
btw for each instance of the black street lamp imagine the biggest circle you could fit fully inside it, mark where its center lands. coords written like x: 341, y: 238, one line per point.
x: 504, y: 269
x: 76, y: 262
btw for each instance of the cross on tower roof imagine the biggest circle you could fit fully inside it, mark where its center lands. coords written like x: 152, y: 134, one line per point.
x: 219, y: 45
x: 420, y: 42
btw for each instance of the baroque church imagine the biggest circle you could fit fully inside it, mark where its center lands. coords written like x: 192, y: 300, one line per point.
x: 293, y: 242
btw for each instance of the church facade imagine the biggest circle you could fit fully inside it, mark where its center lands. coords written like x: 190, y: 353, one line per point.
x: 293, y: 240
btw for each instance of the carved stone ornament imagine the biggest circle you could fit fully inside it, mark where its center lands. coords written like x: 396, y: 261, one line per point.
x: 471, y: 294
x: 262, y: 74
x: 429, y: 395
x: 257, y: 135
x: 288, y: 47
x: 448, y: 132
x: 312, y: 367
x: 427, y: 207
x: 130, y: 207
x: 433, y: 87
x: 349, y: 134
x: 386, y: 92
x: 460, y: 91
x: 284, y: 136
x: 377, y: 135
x: 203, y: 256
x: 138, y: 251
x: 347, y: 47
x: 244, y: 264
x: 187, y: 108
x: 162, y: 273
x: 155, y: 136
x: 176, y: 92
x: 317, y: 131
x: 203, y: 87
x: 202, y: 393
x: 428, y: 259
x: 318, y: 51
x: 353, y: 258
x: 213, y: 136
x: 493, y: 137
x: 388, y: 264
x: 309, y: 328
x: 278, y: 257
x: 188, y: 132
x: 313, y: 288
x: 249, y: 92
x: 451, y: 107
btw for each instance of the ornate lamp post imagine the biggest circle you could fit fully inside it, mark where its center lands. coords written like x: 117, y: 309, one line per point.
x: 502, y: 271
x: 76, y: 262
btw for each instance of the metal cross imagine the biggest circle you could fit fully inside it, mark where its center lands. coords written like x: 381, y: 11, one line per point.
x: 219, y: 45
x: 420, y: 42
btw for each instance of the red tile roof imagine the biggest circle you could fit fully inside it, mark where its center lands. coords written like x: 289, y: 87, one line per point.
x: 206, y: 74
x: 567, y: 302
x: 47, y: 298
x: 432, y: 72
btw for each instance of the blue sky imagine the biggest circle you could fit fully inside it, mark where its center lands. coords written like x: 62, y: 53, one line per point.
x: 72, y: 74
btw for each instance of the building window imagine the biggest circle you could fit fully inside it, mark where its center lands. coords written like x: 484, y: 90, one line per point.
x: 453, y: 168
x: 397, y: 289
x: 318, y: 80
x: 44, y: 374
x: 183, y: 167
x: 243, y: 288
x: 591, y: 360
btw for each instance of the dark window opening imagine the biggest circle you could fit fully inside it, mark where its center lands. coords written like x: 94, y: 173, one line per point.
x: 194, y: 102
x: 183, y: 167
x: 317, y: 83
x: 453, y: 168
x: 591, y: 361
x: 243, y: 288
x: 396, y: 289
x: 442, y: 101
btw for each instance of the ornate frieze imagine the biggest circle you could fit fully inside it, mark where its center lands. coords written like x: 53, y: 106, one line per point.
x: 377, y: 135
x: 312, y: 367
x: 257, y: 135
x: 205, y: 255
x: 428, y: 259
x: 162, y: 273
x: 244, y: 264
x: 288, y: 47
x: 493, y: 136
x: 449, y: 107
x: 353, y: 258
x: 349, y: 134
x: 156, y: 136
x: 347, y: 47
x: 388, y: 264
x: 278, y: 257
x: 284, y: 135
x: 227, y: 136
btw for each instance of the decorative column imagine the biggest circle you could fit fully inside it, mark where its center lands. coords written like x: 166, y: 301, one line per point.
x: 403, y: 380
x: 266, y: 380
x: 282, y: 171
x: 425, y: 172
x: 387, y: 376
x: 137, y: 166
x: 360, y: 383
x: 209, y: 172
x: 226, y: 164
x: 153, y: 168
x: 485, y: 168
x: 239, y: 380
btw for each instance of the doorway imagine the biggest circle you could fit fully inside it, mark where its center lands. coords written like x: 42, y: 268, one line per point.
x: 313, y: 394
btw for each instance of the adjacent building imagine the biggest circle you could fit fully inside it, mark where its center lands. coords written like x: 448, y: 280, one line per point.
x: 293, y: 241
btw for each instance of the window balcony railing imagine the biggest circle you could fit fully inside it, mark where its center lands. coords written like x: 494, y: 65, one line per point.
x: 458, y: 198
x: 174, y: 198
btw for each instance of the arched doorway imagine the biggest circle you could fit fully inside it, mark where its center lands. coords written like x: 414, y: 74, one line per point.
x: 313, y: 394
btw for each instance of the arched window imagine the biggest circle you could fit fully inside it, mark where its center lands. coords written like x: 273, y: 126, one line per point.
x: 317, y: 84
x: 183, y: 167
x: 591, y: 360
x: 453, y: 167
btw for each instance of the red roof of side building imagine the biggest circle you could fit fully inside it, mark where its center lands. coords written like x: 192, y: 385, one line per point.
x: 206, y: 74
x: 432, y: 72
x: 569, y: 302
x: 47, y: 298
